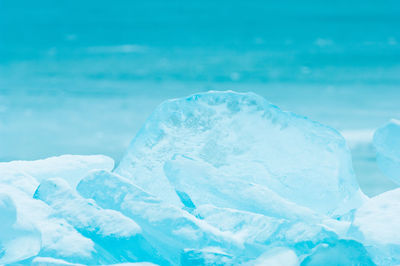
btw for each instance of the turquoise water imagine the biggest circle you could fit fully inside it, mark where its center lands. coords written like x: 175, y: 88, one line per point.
x: 81, y: 77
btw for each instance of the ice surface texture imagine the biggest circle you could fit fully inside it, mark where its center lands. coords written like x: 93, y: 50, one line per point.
x: 169, y: 228
x: 237, y: 150
x: 37, y: 229
x: 387, y: 145
x: 17, y: 242
x: 219, y: 178
x: 26, y: 175
x: 377, y: 224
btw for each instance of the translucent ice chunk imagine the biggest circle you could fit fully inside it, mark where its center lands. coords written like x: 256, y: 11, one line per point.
x: 206, y: 256
x: 57, y: 238
x: 115, y: 233
x: 83, y: 213
x: 47, y: 261
x: 168, y: 228
x: 247, y: 226
x: 387, y: 145
x: 278, y: 256
x: 202, y: 184
x: 18, y: 179
x: 377, y: 225
x: 62, y: 241
x: 244, y: 141
x: 341, y: 252
x: 253, y: 228
x: 18, y: 241
x: 69, y: 167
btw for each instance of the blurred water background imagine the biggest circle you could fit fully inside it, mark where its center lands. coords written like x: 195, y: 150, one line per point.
x: 81, y: 77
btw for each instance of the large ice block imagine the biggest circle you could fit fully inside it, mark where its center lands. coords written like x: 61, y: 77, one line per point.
x: 387, y: 145
x: 240, y: 141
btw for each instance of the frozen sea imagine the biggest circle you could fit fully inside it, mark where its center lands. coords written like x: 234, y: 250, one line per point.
x: 81, y: 77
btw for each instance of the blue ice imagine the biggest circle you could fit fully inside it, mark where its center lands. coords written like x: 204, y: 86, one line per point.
x: 216, y: 178
x: 387, y: 145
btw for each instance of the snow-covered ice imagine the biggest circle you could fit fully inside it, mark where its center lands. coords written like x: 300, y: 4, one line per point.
x: 69, y: 167
x: 18, y: 241
x: 377, y: 224
x: 54, y: 236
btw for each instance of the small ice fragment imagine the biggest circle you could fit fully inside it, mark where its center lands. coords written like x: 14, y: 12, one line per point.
x: 387, y: 145
x: 341, y: 252
x: 278, y: 256
x: 377, y: 225
x: 206, y: 256
x: 18, y: 241
x: 247, y: 227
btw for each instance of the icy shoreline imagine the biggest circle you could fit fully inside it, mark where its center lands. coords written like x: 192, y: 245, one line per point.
x: 219, y: 178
